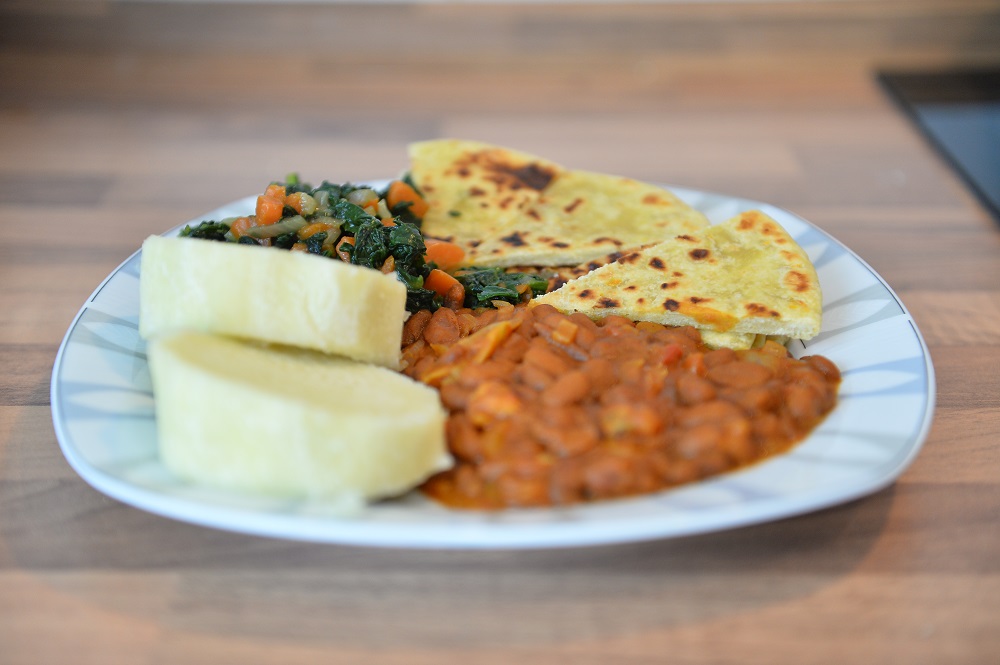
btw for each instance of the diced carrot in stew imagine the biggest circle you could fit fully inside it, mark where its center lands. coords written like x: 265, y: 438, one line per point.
x: 343, y: 252
x: 301, y: 203
x: 275, y: 192
x: 400, y: 192
x: 240, y: 226
x: 440, y: 282
x: 269, y: 209
x: 445, y: 254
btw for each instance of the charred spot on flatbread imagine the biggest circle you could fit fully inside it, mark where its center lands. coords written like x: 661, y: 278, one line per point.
x: 671, y: 305
x: 573, y: 205
x: 756, y: 309
x: 515, y: 239
x: 657, y: 263
x: 607, y: 303
x: 699, y: 254
x: 798, y: 281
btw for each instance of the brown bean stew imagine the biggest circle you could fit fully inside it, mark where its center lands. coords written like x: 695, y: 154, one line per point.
x: 548, y: 409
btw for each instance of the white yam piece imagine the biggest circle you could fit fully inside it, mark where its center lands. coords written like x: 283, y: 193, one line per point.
x: 271, y: 295
x: 291, y: 423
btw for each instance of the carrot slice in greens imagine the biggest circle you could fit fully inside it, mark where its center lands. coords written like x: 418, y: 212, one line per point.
x: 401, y: 192
x: 445, y: 254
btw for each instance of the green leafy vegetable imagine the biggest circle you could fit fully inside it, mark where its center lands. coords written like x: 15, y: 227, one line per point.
x: 484, y: 285
x: 207, y: 230
x: 371, y: 247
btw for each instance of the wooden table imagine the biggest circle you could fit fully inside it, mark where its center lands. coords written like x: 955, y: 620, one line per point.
x: 118, y: 120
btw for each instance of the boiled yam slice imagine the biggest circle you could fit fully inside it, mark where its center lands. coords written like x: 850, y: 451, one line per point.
x: 271, y: 295
x: 291, y: 423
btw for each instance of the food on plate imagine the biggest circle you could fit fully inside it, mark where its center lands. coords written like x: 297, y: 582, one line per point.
x: 508, y: 208
x: 287, y: 422
x: 580, y: 337
x: 552, y: 409
x: 746, y: 276
x: 372, y: 228
x: 281, y: 297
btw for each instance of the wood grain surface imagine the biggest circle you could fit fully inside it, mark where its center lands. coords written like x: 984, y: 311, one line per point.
x: 118, y: 120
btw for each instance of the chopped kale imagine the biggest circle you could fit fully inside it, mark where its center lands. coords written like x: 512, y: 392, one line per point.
x: 484, y: 285
x: 314, y: 243
x: 407, y: 247
x: 371, y: 246
x: 285, y: 240
x: 207, y: 230
x: 374, y: 243
x: 418, y: 299
x: 353, y: 215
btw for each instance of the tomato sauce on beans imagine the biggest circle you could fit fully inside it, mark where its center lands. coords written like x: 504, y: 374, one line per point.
x: 549, y: 409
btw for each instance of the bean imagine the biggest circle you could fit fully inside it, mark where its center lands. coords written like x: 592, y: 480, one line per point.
x: 736, y: 441
x: 607, y: 476
x: 533, y: 376
x: 566, y: 441
x: 719, y: 357
x: 680, y: 471
x: 739, y: 374
x: 755, y: 400
x: 467, y: 322
x: 485, y: 317
x: 693, y: 389
x: 547, y: 358
x: 717, y: 411
x: 567, y: 389
x: 523, y: 492
x: 583, y: 321
x: 454, y: 396
x: 801, y: 403
x: 467, y: 481
x: 474, y: 374
x: 615, y: 321
x: 619, y: 419
x: 492, y: 400
x: 443, y: 327
x: 698, y: 441
x: 542, y: 312
x: 464, y: 439
x: 601, y: 373
x: 567, y: 482
x: 413, y: 329
x: 513, y: 348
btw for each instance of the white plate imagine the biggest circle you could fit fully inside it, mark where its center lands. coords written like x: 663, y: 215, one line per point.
x: 103, y: 411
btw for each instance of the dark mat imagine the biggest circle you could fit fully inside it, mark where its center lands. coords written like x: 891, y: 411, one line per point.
x: 959, y: 113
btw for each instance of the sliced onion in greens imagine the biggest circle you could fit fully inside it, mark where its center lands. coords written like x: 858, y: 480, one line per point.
x: 362, y: 197
x: 286, y: 225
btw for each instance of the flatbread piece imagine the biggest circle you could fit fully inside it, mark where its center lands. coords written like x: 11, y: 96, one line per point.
x: 746, y: 275
x: 508, y: 208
